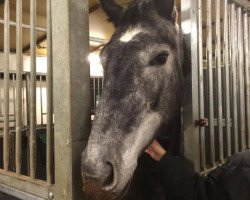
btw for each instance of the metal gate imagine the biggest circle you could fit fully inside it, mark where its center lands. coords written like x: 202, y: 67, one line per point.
x: 217, y: 113
x: 42, y: 142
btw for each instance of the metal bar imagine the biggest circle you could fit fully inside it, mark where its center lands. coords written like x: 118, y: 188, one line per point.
x: 98, y: 40
x: 98, y: 88
x: 49, y: 85
x: 72, y: 109
x: 226, y: 75
x: 242, y: 3
x: 241, y: 80
x: 19, y: 72
x: 18, y: 193
x: 23, y: 104
x: 210, y: 80
x: 6, y: 85
x: 234, y: 89
x: 201, y: 89
x: 25, y: 184
x: 41, y: 98
x: 247, y: 75
x: 191, y: 134
x: 27, y: 86
x: 102, y: 81
x: 219, y: 82
x: 14, y: 98
x: 94, y: 93
x: 25, y: 26
x: 33, y: 89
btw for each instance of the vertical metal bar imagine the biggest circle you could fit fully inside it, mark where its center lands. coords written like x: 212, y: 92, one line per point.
x: 6, y: 84
x: 247, y: 75
x: 19, y: 71
x: 49, y: 82
x: 14, y: 98
x: 201, y: 88
x: 94, y: 93
x: 98, y: 88
x: 227, y: 88
x: 102, y: 81
x: 191, y: 135
x: 1, y: 100
x: 219, y: 82
x: 234, y: 89
x: 33, y: 89
x: 27, y: 106
x: 41, y: 97
x: 241, y: 80
x: 210, y: 80
x: 27, y: 86
x: 72, y: 109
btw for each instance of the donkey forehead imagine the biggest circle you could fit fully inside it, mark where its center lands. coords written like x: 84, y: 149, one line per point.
x: 130, y: 33
x: 133, y: 37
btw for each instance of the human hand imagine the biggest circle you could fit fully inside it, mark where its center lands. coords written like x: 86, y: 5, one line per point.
x: 155, y: 150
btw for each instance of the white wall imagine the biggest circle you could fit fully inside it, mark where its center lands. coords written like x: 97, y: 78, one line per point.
x: 41, y: 62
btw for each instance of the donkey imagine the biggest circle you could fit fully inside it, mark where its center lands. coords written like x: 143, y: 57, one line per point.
x: 143, y: 69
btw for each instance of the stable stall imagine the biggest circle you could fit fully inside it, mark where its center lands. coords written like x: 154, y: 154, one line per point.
x: 49, y: 92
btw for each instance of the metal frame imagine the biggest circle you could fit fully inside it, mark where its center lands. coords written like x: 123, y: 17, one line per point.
x: 71, y: 131
x: 191, y: 139
x: 71, y: 93
x: 227, y: 67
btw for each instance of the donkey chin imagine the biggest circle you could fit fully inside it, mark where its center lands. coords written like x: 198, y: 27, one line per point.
x: 108, y: 167
x: 111, y: 181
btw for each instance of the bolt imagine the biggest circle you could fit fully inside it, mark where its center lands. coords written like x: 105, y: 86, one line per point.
x: 201, y: 123
x: 51, y: 196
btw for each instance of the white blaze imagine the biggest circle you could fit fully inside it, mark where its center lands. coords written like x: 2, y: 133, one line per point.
x: 129, y: 34
x: 142, y: 136
x: 133, y: 144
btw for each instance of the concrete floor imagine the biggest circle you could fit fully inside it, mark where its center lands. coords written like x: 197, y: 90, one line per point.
x: 4, y: 196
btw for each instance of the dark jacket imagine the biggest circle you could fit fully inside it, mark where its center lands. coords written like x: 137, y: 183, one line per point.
x: 228, y: 182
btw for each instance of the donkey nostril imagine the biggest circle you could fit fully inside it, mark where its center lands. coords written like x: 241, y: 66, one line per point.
x: 110, y: 176
x: 110, y: 181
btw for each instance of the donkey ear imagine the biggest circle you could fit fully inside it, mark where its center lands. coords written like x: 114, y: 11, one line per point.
x: 113, y: 10
x: 166, y: 9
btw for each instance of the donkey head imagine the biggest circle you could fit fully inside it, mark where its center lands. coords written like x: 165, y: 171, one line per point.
x: 142, y: 89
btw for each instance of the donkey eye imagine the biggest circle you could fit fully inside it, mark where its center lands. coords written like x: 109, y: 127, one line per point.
x: 160, y: 59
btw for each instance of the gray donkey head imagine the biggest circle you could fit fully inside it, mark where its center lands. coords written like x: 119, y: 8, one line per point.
x: 143, y: 64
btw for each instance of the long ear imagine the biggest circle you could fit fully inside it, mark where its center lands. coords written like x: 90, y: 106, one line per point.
x: 166, y: 9
x: 113, y: 10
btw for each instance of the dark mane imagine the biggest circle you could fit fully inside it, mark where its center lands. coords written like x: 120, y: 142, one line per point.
x: 138, y: 11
